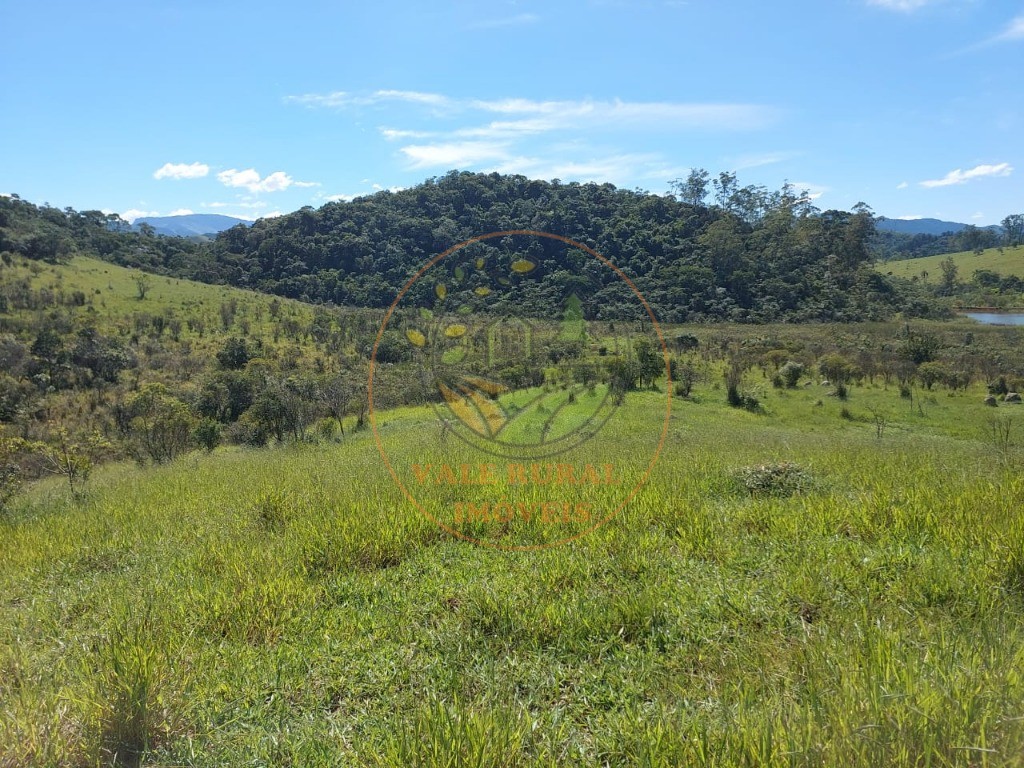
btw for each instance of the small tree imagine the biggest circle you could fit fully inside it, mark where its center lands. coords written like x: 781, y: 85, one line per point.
x: 10, y: 470
x: 949, y: 276
x: 836, y: 368
x: 650, y: 363
x: 160, y: 424
x: 70, y: 458
x: 142, y: 284
x: 207, y: 434
x: 234, y: 355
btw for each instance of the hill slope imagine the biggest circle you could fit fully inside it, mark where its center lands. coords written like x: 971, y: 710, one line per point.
x: 289, y: 607
x: 1005, y: 261
x: 923, y: 226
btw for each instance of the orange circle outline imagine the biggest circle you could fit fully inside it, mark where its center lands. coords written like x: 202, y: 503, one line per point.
x: 668, y: 388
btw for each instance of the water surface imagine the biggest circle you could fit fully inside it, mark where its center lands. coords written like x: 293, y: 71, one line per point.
x: 997, y: 318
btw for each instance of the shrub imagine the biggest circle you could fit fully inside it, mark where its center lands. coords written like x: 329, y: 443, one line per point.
x: 790, y: 374
x: 685, y: 377
x: 776, y: 479
x: 234, y: 355
x: 207, y: 434
x: 161, y: 425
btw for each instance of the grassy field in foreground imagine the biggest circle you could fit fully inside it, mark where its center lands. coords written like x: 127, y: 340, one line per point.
x: 1007, y: 261
x: 288, y: 607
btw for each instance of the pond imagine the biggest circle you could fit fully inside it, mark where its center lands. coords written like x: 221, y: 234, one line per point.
x: 997, y: 318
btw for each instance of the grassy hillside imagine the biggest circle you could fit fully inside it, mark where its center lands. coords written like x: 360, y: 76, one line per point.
x: 1007, y: 261
x: 288, y: 607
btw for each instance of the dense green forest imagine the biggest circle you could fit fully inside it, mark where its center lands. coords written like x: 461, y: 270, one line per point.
x: 753, y: 255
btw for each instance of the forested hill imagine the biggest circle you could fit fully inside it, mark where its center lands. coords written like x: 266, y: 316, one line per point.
x: 753, y: 256
x: 756, y: 256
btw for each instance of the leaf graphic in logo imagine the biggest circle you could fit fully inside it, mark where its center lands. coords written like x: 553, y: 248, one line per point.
x: 480, y: 263
x: 455, y: 331
x: 473, y: 405
x: 492, y: 388
x: 416, y: 338
x: 522, y: 266
x: 459, y: 273
x: 441, y: 291
x: 483, y: 290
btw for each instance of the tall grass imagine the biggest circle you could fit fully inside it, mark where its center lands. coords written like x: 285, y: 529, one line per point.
x: 289, y: 607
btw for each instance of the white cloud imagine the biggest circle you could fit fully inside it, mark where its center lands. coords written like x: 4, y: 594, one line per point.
x: 181, y: 171
x: 417, y: 97
x: 647, y: 115
x: 621, y: 169
x: 743, y: 162
x: 653, y: 115
x: 505, y: 134
x: 348, y: 197
x: 181, y: 212
x: 393, y: 133
x: 1014, y: 31
x: 904, y: 6
x: 338, y: 99
x: 912, y: 217
x: 961, y: 177
x: 249, y: 179
x: 814, y: 191
x: 509, y: 21
x: 902, y: 185
x: 243, y: 204
x: 453, y: 154
x: 134, y: 213
x: 978, y: 215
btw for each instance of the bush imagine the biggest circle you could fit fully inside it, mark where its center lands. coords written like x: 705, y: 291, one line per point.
x: 207, y: 434
x: 234, y: 355
x: 776, y: 480
x: 790, y: 374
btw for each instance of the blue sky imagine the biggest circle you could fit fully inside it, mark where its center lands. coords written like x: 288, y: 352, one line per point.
x: 913, y: 106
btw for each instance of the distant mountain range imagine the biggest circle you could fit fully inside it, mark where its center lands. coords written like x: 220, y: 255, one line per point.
x: 198, y: 224
x: 922, y: 226
x: 190, y: 225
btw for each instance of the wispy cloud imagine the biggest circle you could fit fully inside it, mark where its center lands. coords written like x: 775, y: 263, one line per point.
x: 249, y: 179
x: 181, y: 212
x: 743, y: 162
x: 1013, y: 31
x: 533, y: 115
x: 902, y: 185
x: 453, y: 154
x: 348, y: 197
x: 903, y: 6
x: 341, y: 99
x: 521, y: 19
x: 528, y: 136
x: 256, y: 204
x: 181, y: 171
x: 962, y: 177
x: 814, y: 191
